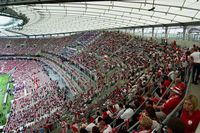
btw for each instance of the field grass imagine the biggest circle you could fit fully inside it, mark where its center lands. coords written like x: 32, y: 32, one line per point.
x: 4, y: 109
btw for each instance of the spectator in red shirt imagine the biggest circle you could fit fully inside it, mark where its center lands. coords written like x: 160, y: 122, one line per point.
x: 111, y: 109
x: 164, y: 84
x: 174, y: 99
x: 63, y: 126
x: 104, y: 113
x: 190, y: 114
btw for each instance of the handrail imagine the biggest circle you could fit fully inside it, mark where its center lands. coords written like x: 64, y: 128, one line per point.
x: 166, y: 91
x: 175, y: 110
x: 131, y: 128
x: 116, y: 113
x: 179, y: 106
x: 141, y: 104
x: 136, y: 110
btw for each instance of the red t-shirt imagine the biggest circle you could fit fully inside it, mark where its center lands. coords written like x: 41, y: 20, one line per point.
x: 182, y: 86
x: 91, y: 119
x: 166, y: 83
x: 191, y: 121
x: 170, y: 104
x: 104, y: 115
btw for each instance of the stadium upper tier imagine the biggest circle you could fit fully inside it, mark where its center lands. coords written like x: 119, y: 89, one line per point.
x: 48, y: 17
x: 65, y: 45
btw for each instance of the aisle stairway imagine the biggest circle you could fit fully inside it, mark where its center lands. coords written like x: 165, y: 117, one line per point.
x: 195, y: 90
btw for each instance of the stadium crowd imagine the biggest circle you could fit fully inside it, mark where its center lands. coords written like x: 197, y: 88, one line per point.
x: 138, y: 81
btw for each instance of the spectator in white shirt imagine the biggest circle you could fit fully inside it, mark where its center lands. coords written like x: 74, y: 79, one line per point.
x: 196, y: 65
x: 121, y: 110
x: 128, y: 113
x: 90, y: 126
x: 98, y: 116
x: 104, y: 128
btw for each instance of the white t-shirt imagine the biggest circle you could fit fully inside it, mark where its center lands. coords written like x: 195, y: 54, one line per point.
x: 109, y: 113
x: 196, y: 57
x: 96, y: 120
x: 120, y: 112
x: 117, y: 107
x: 108, y: 129
x: 89, y: 127
x: 171, y: 75
x: 155, y: 125
x: 127, y: 114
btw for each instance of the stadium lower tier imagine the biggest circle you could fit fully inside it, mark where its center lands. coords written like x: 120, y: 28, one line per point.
x: 30, y: 91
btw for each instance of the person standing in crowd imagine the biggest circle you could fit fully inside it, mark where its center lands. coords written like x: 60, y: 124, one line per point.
x: 196, y: 65
x: 190, y: 114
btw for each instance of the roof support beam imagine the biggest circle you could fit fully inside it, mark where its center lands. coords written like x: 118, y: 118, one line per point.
x: 183, y: 4
x: 157, y: 4
x: 196, y: 23
x: 27, y: 2
x: 17, y: 32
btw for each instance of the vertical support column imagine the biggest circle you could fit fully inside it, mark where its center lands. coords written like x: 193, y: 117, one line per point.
x: 126, y: 30
x: 184, y: 31
x: 152, y: 35
x: 166, y: 30
x: 134, y: 31
x: 142, y: 32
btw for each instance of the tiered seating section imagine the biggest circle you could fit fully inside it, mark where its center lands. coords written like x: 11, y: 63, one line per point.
x: 128, y: 71
x: 31, y: 103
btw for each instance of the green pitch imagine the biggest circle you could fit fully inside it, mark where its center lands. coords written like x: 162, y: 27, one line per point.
x: 4, y: 108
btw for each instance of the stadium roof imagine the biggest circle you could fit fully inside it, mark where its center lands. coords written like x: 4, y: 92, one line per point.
x: 48, y: 16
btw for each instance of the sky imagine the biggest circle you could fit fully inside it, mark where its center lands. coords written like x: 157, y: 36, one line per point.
x: 4, y: 20
x: 8, y: 22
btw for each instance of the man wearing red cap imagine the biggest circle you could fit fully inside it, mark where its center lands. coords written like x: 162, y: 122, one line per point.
x: 181, y: 85
x: 166, y: 108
